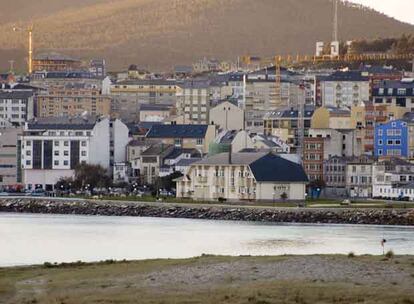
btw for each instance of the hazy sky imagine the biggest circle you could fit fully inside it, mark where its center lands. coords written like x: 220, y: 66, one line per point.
x: 400, y: 9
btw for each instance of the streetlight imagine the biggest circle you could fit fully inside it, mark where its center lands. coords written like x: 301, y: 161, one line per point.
x: 30, y: 32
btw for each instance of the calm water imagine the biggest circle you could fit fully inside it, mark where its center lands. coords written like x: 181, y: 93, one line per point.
x: 34, y: 239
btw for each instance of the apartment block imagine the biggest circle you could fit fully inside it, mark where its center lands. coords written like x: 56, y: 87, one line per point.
x: 16, y: 106
x: 51, y: 148
x: 341, y: 89
x: 391, y: 139
x: 193, y: 101
x: 10, y: 171
x: 394, y: 92
x: 129, y: 95
x: 72, y: 100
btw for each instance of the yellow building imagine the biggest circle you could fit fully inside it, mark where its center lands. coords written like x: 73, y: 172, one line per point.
x: 331, y: 118
x: 72, y: 101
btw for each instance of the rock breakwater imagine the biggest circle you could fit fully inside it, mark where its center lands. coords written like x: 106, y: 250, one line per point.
x: 404, y: 217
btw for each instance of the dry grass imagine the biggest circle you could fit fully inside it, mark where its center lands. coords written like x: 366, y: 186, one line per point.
x: 213, y: 279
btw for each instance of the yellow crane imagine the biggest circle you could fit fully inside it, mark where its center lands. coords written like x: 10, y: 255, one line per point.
x: 29, y: 31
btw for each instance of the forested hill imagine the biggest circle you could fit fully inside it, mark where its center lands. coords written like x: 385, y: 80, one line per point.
x: 161, y: 33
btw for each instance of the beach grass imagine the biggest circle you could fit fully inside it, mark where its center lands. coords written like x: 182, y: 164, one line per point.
x: 216, y: 279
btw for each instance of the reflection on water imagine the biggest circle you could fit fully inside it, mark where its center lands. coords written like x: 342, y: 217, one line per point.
x: 34, y: 239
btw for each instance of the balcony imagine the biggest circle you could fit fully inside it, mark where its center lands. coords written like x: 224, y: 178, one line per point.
x: 202, y: 179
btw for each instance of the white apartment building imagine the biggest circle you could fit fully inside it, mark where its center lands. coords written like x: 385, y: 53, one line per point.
x: 51, y: 148
x: 16, y: 106
x: 243, y: 176
x: 343, y: 89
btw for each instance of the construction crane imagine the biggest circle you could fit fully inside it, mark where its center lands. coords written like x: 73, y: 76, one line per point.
x: 291, y: 61
x: 29, y: 31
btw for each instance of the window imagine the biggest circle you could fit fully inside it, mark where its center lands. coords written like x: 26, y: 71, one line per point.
x: 200, y: 141
x: 28, y: 143
x: 66, y: 153
x: 28, y: 152
x: 83, y: 153
x: 56, y: 143
x: 83, y: 143
x: 28, y: 162
x: 380, y: 132
x: 66, y: 143
x: 401, y: 91
x: 56, y: 153
x: 379, y: 151
x: 56, y: 162
x: 178, y: 141
x: 66, y: 163
x: 380, y: 142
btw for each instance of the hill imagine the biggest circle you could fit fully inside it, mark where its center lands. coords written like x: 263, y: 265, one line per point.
x: 160, y: 33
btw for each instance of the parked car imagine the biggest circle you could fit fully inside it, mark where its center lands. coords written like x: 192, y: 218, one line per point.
x: 38, y: 192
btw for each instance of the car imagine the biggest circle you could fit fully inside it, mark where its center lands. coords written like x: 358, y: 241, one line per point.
x: 38, y: 192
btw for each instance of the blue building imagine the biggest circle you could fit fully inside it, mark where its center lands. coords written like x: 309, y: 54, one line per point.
x: 391, y: 139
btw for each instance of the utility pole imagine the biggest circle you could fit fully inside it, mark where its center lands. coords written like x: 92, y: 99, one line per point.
x: 301, y: 119
x: 335, y: 21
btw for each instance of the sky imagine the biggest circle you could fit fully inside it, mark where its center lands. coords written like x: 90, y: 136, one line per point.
x: 400, y: 9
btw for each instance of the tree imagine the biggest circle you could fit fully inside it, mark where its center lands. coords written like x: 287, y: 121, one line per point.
x: 91, y: 176
x: 167, y: 182
x: 65, y: 184
x: 317, y: 184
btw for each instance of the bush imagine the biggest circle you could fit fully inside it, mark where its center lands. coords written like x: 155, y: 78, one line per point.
x: 389, y: 254
x: 351, y: 255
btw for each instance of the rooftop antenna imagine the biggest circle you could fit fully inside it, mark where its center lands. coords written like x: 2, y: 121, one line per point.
x: 335, y: 21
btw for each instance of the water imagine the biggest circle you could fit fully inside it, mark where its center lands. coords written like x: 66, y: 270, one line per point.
x: 35, y: 239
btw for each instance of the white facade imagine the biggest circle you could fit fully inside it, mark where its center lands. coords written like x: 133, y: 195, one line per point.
x: 16, y: 106
x: 50, y: 153
x: 227, y: 116
x: 344, y: 93
x: 235, y: 180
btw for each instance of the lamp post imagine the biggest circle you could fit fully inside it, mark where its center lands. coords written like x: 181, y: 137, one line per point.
x: 29, y: 30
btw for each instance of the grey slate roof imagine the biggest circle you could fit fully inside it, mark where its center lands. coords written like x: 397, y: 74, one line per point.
x: 154, y: 107
x: 15, y: 94
x: 394, y: 84
x: 158, y: 149
x: 187, y: 162
x: 177, y: 131
x: 273, y: 168
x: 147, y: 82
x: 344, y: 76
x: 266, y: 167
x: 236, y: 159
x: 290, y: 113
x: 62, y: 123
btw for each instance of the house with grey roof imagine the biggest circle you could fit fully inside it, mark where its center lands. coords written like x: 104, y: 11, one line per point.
x: 253, y: 176
x: 185, y: 136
